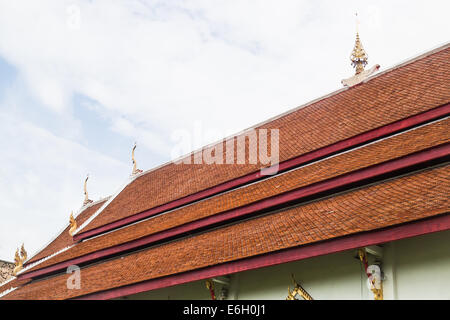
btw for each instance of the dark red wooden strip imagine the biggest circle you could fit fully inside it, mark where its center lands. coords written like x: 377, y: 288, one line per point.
x: 417, y: 228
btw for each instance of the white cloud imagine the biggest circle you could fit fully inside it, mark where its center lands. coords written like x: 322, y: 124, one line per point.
x: 42, y: 181
x: 168, y: 63
x: 140, y: 135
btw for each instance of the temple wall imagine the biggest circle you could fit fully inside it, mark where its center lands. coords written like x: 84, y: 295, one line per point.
x: 190, y: 291
x: 415, y: 268
x: 335, y: 276
x: 419, y: 267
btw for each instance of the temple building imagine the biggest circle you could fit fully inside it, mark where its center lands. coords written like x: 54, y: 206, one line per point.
x: 356, y: 207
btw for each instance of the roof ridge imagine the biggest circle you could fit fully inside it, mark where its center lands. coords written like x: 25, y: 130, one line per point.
x: 411, y: 59
x: 90, y: 204
x: 111, y: 198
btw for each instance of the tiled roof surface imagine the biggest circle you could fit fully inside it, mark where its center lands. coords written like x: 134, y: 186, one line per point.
x: 396, y: 201
x: 64, y: 239
x: 394, y: 147
x: 15, y: 283
x: 404, y: 91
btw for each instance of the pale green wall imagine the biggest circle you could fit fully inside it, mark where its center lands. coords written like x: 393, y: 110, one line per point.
x: 336, y: 276
x: 415, y: 268
x: 421, y: 267
x: 189, y: 291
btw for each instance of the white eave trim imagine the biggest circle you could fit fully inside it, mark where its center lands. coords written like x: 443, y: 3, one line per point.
x: 4, y: 293
x: 7, y: 281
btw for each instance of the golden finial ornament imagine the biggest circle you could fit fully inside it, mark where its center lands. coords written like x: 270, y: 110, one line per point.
x: 23, y: 253
x: 135, y: 169
x: 359, y: 59
x: 298, y: 289
x: 17, y: 263
x: 73, y: 225
x: 210, y: 286
x: 19, y: 259
x: 86, y: 196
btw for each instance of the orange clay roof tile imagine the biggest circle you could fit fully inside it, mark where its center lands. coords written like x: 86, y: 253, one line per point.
x: 397, y: 146
x: 14, y: 283
x: 410, y: 198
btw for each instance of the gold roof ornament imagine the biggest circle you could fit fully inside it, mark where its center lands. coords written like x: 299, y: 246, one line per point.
x: 19, y: 259
x: 210, y: 287
x: 23, y: 253
x: 359, y: 59
x: 86, y: 196
x: 73, y: 224
x: 298, y: 289
x: 135, y: 169
x: 377, y: 292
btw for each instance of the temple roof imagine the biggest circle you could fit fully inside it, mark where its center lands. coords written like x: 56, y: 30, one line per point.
x: 344, y: 214
x: 364, y: 158
x: 420, y: 139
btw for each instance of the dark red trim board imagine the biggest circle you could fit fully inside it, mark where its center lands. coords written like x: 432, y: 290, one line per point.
x: 285, y: 198
x: 417, y: 228
x: 286, y: 165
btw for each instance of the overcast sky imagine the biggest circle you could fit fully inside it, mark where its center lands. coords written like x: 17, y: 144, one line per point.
x: 81, y: 81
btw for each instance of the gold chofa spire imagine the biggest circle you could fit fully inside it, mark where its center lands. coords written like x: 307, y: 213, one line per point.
x: 135, y: 169
x: 73, y: 224
x: 86, y: 196
x: 359, y: 57
x: 19, y: 259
